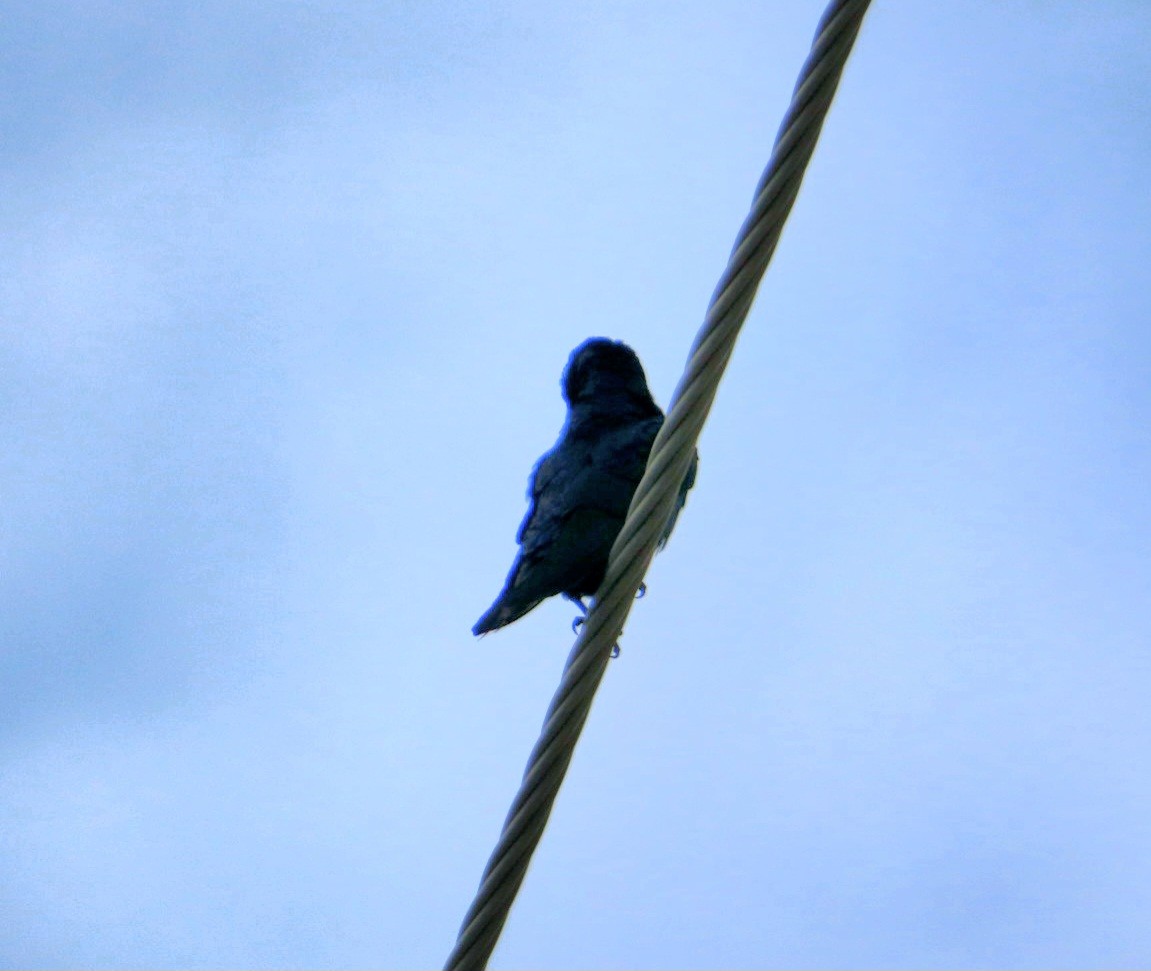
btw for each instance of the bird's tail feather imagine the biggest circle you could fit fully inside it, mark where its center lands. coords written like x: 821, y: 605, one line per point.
x: 502, y: 613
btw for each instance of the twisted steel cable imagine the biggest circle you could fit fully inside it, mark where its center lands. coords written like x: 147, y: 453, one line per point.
x: 670, y: 457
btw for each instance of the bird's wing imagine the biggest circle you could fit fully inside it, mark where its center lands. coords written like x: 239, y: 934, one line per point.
x: 580, y: 476
x: 542, y: 491
x: 620, y: 462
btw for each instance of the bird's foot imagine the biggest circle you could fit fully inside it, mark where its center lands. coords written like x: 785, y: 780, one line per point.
x: 578, y: 601
x: 577, y: 622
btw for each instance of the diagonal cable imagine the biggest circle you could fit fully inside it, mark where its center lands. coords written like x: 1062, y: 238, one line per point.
x: 667, y: 465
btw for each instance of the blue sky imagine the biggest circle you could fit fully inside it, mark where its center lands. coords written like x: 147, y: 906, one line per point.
x: 285, y: 294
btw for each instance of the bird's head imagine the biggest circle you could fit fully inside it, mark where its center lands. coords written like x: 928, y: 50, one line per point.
x: 602, y: 370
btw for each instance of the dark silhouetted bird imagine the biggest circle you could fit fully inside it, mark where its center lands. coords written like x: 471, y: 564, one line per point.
x: 580, y: 490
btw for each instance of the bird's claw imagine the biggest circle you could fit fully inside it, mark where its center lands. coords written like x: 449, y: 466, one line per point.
x: 577, y: 622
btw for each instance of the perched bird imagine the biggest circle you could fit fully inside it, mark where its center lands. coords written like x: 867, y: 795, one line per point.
x: 580, y: 491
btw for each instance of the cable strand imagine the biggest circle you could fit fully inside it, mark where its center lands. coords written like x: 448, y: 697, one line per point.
x: 671, y: 455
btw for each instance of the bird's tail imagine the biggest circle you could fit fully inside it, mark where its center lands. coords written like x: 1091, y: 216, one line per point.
x: 505, y: 610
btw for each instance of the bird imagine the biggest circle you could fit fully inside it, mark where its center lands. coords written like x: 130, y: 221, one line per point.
x: 580, y: 490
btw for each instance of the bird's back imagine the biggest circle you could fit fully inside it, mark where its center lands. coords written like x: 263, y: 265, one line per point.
x: 580, y: 494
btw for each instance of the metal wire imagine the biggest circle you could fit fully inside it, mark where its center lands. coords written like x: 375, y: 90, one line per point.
x: 670, y: 457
